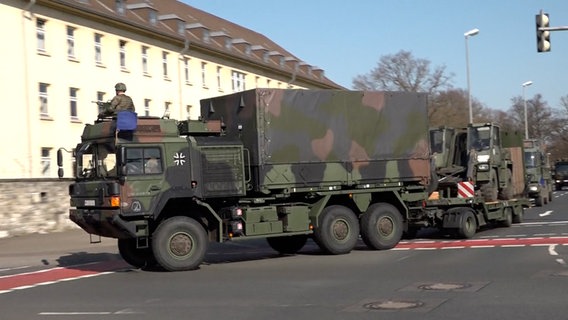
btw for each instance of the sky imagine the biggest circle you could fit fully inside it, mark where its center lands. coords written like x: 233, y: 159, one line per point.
x: 347, y: 38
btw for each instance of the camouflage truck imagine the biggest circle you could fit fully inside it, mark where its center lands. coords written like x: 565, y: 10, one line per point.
x: 538, y: 171
x: 560, y: 174
x: 285, y: 165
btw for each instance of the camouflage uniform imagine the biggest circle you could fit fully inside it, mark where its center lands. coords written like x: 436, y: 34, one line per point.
x: 121, y: 102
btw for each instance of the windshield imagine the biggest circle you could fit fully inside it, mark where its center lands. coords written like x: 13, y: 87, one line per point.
x: 479, y: 138
x: 96, y: 160
x: 531, y: 159
x: 437, y: 141
x: 561, y: 169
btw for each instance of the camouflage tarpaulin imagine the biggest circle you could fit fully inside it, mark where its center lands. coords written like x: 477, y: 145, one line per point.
x: 324, y: 137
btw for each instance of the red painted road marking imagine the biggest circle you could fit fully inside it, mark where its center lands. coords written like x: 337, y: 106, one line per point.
x: 499, y: 242
x: 12, y: 282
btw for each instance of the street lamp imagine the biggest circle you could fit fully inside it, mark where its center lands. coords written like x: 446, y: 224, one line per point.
x: 468, y: 34
x: 526, y: 84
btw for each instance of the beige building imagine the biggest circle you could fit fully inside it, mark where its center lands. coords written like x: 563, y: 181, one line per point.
x: 60, y: 56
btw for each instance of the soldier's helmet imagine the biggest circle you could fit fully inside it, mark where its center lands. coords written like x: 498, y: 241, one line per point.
x: 120, y: 87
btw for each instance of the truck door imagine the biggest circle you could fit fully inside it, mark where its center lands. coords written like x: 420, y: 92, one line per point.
x: 144, y: 181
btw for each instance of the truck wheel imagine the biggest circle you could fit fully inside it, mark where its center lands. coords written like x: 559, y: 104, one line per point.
x: 381, y: 226
x: 179, y: 243
x: 489, y: 190
x: 287, y: 245
x: 508, y: 218
x: 468, y: 225
x: 338, y: 230
x: 539, y: 201
x: 507, y: 192
x: 138, y: 258
x: 550, y: 195
x: 518, y: 218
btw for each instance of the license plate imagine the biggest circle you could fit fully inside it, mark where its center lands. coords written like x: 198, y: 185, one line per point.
x: 90, y: 203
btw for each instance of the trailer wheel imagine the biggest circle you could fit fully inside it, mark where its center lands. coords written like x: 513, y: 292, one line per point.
x: 508, y: 221
x: 539, y: 200
x: 518, y: 218
x: 381, y: 226
x: 135, y: 257
x: 288, y: 244
x: 468, y: 224
x: 179, y: 243
x: 338, y: 230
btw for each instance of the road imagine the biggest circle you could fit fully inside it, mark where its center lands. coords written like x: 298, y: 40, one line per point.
x: 503, y: 273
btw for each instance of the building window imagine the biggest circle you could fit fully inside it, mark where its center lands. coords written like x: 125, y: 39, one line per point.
x: 100, y: 100
x: 40, y: 30
x: 181, y: 27
x: 43, y: 111
x: 145, y: 59
x: 186, y: 70
x: 71, y: 42
x: 268, y: 83
x: 229, y: 44
x: 265, y: 57
x: 256, y: 81
x: 98, y: 48
x: 188, y: 111
x: 204, y: 74
x: 206, y: 36
x: 248, y: 49
x: 219, y: 79
x: 45, y: 161
x: 238, y: 79
x: 165, y: 63
x: 73, y: 103
x: 147, y: 107
x: 120, y: 9
x: 153, y: 17
x: 122, y: 45
x: 167, y: 105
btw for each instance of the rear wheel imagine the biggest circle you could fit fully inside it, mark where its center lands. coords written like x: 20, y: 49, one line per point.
x: 489, y: 190
x: 508, y: 217
x: 381, y: 226
x: 507, y: 192
x: 134, y: 256
x: 338, y: 230
x: 287, y: 245
x: 179, y: 243
x: 518, y: 218
x: 468, y: 225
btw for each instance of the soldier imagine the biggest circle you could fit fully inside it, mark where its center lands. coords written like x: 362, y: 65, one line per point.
x: 121, y: 101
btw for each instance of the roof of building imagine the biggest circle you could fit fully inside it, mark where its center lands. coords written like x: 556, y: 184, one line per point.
x: 198, y: 29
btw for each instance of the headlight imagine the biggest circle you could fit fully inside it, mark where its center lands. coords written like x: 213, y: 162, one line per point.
x: 483, y: 167
x: 533, y: 188
x: 483, y: 158
x: 558, y: 181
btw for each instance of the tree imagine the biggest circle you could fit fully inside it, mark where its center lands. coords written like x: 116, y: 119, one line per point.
x: 540, y: 121
x: 403, y: 72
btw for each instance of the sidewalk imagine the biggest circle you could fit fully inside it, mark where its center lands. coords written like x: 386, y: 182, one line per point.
x: 54, y: 249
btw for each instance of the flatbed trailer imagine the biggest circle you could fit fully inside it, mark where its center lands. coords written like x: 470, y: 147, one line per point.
x: 464, y: 216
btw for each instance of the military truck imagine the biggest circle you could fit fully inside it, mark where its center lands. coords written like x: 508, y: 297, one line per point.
x: 538, y: 171
x: 560, y: 174
x: 279, y: 164
x: 477, y: 154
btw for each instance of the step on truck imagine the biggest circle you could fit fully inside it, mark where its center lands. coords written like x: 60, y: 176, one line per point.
x: 280, y: 164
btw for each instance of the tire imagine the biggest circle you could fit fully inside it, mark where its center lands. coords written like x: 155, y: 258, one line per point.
x: 508, y: 221
x: 179, y: 244
x: 135, y: 257
x: 381, y: 226
x: 518, y: 218
x: 489, y: 190
x: 550, y: 196
x: 287, y: 245
x: 338, y: 230
x: 539, y: 201
x: 507, y: 192
x: 468, y: 225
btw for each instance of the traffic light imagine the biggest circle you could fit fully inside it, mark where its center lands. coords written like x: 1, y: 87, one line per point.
x: 542, y: 37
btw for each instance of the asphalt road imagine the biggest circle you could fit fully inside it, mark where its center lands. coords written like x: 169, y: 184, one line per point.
x: 503, y: 273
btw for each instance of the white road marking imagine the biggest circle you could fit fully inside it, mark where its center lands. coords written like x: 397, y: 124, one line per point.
x: 547, y: 213
x: 552, y: 250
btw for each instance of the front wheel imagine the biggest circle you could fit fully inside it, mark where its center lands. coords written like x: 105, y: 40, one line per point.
x: 381, y: 226
x: 468, y: 225
x: 179, y: 243
x: 338, y: 230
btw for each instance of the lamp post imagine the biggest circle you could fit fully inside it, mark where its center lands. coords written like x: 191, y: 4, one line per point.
x: 526, y: 84
x: 468, y: 34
